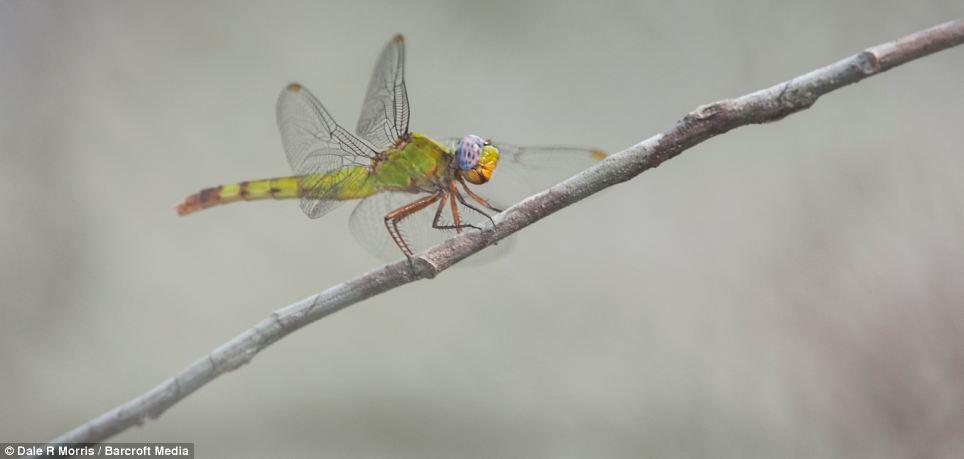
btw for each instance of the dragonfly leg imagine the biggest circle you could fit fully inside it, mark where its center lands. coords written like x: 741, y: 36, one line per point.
x: 476, y: 197
x: 438, y: 212
x: 470, y: 206
x: 438, y: 215
x: 392, y: 218
x: 455, y: 209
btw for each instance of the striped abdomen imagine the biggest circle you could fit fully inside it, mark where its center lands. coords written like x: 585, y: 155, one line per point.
x: 276, y: 188
x: 341, y: 184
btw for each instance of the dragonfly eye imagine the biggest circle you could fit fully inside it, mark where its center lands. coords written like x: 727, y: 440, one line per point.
x: 468, y: 151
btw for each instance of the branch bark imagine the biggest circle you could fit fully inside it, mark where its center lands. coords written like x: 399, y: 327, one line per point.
x: 706, y: 121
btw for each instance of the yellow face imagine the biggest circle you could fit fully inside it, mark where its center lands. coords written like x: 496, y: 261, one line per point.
x: 482, y: 171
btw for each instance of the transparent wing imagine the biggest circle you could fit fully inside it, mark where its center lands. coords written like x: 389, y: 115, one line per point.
x: 524, y: 171
x: 384, y: 115
x: 316, y: 145
x: 367, y: 224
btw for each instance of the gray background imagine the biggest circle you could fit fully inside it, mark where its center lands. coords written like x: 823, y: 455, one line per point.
x: 783, y: 290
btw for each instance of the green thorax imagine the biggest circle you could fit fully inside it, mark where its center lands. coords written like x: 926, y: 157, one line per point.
x: 419, y: 164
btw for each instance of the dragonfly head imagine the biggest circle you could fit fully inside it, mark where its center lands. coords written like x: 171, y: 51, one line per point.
x: 476, y: 158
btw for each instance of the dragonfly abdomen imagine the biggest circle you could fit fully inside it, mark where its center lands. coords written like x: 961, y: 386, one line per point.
x: 275, y: 188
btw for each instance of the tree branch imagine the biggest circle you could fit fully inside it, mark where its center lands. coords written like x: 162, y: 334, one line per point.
x: 707, y: 121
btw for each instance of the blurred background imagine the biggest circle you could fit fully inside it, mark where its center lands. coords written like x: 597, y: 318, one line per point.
x: 785, y: 290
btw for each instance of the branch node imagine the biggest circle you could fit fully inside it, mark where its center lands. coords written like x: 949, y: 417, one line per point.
x: 277, y: 319
x: 424, y: 268
x: 868, y: 62
x: 708, y: 111
x: 792, y: 98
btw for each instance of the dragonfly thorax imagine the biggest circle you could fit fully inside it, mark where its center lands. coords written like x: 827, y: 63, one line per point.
x: 476, y: 159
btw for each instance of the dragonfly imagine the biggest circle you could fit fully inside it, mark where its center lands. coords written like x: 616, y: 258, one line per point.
x: 413, y: 191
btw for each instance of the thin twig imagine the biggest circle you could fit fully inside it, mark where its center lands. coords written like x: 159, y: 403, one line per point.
x: 707, y: 121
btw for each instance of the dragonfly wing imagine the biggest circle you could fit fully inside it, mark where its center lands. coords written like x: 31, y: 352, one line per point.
x: 316, y: 145
x: 367, y: 225
x: 384, y: 115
